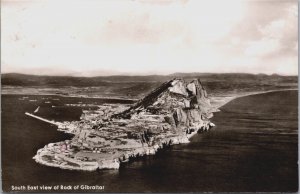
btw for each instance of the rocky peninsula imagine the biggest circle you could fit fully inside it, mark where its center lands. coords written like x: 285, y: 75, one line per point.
x: 113, y: 133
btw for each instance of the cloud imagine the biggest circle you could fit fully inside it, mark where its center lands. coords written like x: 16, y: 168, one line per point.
x: 139, y: 29
x: 150, y: 36
x: 266, y: 42
x: 263, y: 47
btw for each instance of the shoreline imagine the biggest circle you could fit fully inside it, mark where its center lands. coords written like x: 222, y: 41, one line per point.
x: 3, y: 92
x: 244, y: 94
x: 64, y: 162
x: 115, y: 163
x: 230, y: 97
x: 74, y: 96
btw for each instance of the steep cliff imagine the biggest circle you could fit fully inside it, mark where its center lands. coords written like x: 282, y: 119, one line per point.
x: 184, y: 105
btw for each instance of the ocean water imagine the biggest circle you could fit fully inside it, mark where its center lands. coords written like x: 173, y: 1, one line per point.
x: 254, y: 147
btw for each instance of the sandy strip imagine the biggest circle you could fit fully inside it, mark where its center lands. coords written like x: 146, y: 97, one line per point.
x: 219, y: 101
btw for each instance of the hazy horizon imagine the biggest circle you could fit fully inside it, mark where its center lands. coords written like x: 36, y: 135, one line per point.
x: 141, y: 74
x: 144, y: 37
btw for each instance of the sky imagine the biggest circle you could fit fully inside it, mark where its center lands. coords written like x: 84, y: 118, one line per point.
x: 139, y: 37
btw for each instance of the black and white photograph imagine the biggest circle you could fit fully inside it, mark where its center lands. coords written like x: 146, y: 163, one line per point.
x: 149, y: 96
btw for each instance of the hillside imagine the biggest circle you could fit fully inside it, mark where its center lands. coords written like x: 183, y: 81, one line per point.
x: 138, y: 86
x: 15, y: 79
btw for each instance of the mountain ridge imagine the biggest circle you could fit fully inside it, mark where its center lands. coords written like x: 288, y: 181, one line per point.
x: 16, y: 79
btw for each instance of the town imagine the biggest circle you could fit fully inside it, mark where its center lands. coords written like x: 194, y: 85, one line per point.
x: 114, y: 133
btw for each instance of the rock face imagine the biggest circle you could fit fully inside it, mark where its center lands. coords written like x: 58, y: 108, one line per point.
x: 183, y: 105
x: 170, y: 114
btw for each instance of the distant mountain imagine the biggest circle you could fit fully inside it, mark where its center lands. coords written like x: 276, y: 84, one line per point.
x: 15, y: 79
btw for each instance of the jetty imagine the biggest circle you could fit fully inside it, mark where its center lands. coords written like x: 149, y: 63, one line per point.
x: 42, y: 119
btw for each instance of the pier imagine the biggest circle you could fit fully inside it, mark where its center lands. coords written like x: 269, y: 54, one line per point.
x: 42, y: 119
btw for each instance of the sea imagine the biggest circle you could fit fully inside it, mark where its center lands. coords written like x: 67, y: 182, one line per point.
x: 253, y: 148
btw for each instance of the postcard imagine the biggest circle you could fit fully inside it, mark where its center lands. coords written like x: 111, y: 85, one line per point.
x: 149, y: 96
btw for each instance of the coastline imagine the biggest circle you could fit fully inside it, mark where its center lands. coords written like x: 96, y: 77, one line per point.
x: 114, y: 163
x: 243, y: 94
x: 5, y: 91
x: 184, y: 161
x: 72, y: 96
